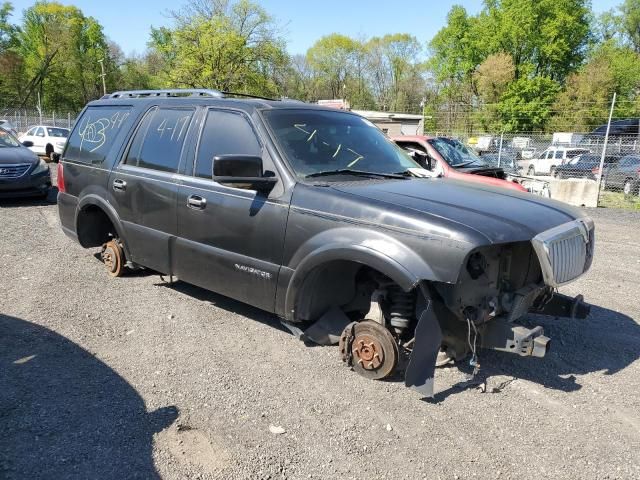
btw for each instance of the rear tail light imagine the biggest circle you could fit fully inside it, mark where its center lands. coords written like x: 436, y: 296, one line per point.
x: 61, y: 178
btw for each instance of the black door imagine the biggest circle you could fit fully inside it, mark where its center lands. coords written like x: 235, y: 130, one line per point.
x: 230, y: 240
x: 143, y: 186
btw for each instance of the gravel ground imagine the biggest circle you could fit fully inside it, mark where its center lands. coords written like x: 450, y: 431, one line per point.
x: 133, y: 378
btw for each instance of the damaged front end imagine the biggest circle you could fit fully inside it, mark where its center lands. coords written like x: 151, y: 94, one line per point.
x: 436, y: 323
x: 498, y: 286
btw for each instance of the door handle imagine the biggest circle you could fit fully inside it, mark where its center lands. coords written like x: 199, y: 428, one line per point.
x: 120, y: 185
x: 196, y: 202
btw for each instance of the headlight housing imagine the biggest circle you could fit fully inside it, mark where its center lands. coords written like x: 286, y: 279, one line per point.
x: 41, y: 167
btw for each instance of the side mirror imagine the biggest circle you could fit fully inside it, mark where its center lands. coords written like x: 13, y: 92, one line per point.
x: 242, y: 171
x: 27, y: 143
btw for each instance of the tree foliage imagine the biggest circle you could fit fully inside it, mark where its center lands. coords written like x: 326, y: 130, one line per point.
x: 516, y: 64
x: 222, y: 45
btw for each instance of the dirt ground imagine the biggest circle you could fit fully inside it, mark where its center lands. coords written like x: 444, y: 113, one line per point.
x: 135, y: 378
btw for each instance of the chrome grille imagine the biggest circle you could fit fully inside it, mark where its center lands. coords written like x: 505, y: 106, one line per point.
x: 13, y: 171
x: 568, y: 257
x: 565, y: 251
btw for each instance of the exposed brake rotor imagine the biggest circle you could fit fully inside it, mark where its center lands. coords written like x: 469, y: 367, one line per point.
x: 113, y: 257
x: 369, y: 348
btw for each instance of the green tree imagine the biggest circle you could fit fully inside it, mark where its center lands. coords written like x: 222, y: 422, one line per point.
x: 527, y: 104
x: 630, y: 22
x: 585, y: 102
x: 233, y: 46
x: 393, y: 66
x: 332, y: 58
x: 61, y: 49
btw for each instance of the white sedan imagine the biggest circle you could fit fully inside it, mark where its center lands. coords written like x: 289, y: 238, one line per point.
x: 46, y: 140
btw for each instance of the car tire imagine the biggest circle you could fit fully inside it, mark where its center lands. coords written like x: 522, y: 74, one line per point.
x: 553, y: 173
x: 532, y: 171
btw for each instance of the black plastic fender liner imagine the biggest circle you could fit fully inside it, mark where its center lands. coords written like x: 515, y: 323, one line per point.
x: 422, y: 364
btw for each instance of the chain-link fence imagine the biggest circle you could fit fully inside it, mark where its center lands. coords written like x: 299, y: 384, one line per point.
x: 567, y: 166
x: 20, y: 119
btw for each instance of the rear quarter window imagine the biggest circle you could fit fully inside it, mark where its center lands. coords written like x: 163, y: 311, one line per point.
x: 95, y: 132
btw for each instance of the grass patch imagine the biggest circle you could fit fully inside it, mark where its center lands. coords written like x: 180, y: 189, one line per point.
x: 619, y: 200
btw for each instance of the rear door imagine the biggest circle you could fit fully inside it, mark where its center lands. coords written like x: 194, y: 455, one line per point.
x: 230, y: 240
x: 39, y: 140
x: 143, y: 186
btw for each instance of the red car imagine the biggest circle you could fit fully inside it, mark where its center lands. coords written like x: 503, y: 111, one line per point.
x: 452, y: 159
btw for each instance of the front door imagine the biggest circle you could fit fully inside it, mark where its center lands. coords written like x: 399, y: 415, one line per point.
x: 230, y: 240
x: 143, y: 185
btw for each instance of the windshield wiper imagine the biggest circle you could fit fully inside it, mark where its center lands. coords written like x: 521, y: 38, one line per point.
x: 359, y: 173
x: 464, y: 164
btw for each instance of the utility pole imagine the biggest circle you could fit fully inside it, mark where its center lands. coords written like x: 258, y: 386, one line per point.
x: 103, y: 75
x: 604, y: 147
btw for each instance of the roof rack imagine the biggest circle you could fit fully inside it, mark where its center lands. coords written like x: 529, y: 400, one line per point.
x: 176, y: 92
x: 246, y: 95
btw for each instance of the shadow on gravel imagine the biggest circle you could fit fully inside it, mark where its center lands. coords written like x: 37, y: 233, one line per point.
x: 65, y: 414
x: 50, y: 199
x: 606, y: 342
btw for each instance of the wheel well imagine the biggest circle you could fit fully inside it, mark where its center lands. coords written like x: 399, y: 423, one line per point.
x: 343, y: 283
x: 94, y: 227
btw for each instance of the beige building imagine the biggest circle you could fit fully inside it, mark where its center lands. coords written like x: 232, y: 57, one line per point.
x: 394, y: 123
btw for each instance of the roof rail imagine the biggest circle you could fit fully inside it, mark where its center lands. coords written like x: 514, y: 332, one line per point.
x: 176, y: 92
x: 246, y: 95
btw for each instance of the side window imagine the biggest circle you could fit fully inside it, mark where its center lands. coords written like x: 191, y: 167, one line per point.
x: 224, y: 133
x: 559, y: 153
x: 94, y: 133
x: 40, y: 132
x: 545, y: 154
x: 158, y: 142
x: 30, y: 132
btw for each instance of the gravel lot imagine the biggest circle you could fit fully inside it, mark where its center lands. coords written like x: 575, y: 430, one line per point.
x: 133, y: 378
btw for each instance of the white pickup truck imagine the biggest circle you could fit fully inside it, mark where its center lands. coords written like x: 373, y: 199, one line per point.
x: 547, y: 161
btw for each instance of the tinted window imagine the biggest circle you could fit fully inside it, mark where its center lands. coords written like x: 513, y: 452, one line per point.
x: 8, y: 140
x: 95, y: 132
x: 558, y: 153
x: 158, y: 141
x: 224, y: 133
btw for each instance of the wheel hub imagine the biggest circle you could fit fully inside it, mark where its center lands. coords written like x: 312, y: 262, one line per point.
x: 368, y: 352
x: 108, y: 258
x: 369, y: 348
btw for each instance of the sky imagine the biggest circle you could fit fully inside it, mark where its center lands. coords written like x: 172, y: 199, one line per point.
x: 128, y: 22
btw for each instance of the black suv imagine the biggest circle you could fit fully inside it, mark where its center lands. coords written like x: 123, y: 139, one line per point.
x: 315, y: 215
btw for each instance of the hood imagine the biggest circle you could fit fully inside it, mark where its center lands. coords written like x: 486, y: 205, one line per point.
x: 11, y: 155
x: 497, y: 214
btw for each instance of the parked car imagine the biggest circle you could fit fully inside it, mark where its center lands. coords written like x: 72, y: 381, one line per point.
x: 315, y: 215
x: 584, y: 166
x: 547, y: 161
x: 451, y: 159
x: 22, y: 173
x: 507, y: 160
x: 6, y: 125
x: 46, y: 140
x: 624, y: 175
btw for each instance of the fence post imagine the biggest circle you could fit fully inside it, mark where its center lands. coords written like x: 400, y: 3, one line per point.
x: 54, y: 117
x: 69, y: 120
x: 604, y: 149
x: 500, y: 148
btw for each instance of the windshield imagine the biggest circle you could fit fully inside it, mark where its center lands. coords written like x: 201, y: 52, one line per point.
x: 58, y: 132
x: 455, y: 153
x: 8, y: 140
x: 318, y: 141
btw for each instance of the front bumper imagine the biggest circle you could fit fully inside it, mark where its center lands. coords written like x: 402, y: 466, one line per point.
x: 26, y: 186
